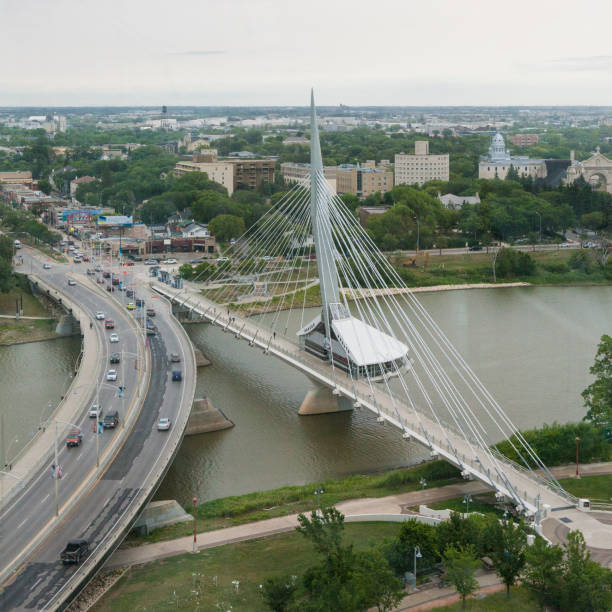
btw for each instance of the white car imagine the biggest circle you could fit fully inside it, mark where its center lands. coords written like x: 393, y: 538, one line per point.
x: 71, y: 282
x: 113, y: 338
x: 222, y: 259
x: 100, y: 315
x: 46, y: 266
x: 163, y: 424
x: 95, y: 411
x: 267, y: 258
x: 111, y: 375
x: 170, y: 261
x: 564, y: 245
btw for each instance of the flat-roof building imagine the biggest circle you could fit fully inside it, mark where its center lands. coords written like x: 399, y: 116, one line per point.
x: 421, y: 167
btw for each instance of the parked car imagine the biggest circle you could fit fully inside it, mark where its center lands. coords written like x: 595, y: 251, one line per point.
x: 128, y: 263
x: 113, y: 338
x: 47, y: 266
x: 475, y: 247
x: 151, y: 262
x: 74, y: 438
x: 110, y: 420
x: 175, y: 357
x: 94, y: 411
x: 198, y: 260
x: 109, y: 324
x: 171, y: 260
x: 150, y: 312
x: 71, y: 282
x: 111, y: 375
x: 98, y: 268
x: 100, y: 315
x: 163, y: 424
x: 106, y: 274
x: 177, y: 375
x: 115, y: 358
x: 219, y: 259
x: 75, y: 551
x: 86, y: 258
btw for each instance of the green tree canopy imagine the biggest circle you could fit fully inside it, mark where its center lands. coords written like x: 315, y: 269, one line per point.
x: 598, y: 395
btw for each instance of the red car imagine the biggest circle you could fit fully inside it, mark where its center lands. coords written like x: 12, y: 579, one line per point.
x: 109, y: 324
x: 110, y: 288
x: 74, y: 438
x: 128, y: 263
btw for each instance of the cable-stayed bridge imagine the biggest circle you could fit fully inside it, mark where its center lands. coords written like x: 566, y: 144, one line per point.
x: 370, y: 340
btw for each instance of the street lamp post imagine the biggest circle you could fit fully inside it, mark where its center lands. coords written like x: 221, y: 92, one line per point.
x: 416, y: 218
x: 423, y: 484
x: 577, y: 472
x: 195, y: 532
x: 540, y: 217
x: 56, y: 471
x: 417, y: 555
x: 318, y: 492
x: 466, y: 500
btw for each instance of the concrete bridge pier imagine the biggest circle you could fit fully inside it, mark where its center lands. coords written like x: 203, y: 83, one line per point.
x: 322, y: 400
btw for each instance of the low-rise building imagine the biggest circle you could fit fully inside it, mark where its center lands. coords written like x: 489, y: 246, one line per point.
x: 363, y: 181
x: 21, y: 177
x: 524, y: 140
x: 596, y: 170
x: 83, y: 180
x: 296, y: 173
x: 195, y: 230
x: 498, y: 162
x: 455, y: 202
x: 365, y: 212
x: 421, y: 167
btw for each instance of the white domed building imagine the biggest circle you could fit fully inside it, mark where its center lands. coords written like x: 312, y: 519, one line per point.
x: 498, y: 162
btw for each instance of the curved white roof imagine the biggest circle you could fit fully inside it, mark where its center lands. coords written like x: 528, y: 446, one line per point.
x: 365, y: 344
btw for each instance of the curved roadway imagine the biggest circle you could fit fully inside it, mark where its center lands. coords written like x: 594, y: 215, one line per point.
x: 118, y: 489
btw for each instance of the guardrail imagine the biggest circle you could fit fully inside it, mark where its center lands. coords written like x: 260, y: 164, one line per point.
x: 85, y: 573
x: 95, y: 473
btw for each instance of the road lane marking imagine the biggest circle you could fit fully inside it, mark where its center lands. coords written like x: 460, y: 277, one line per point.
x: 47, y: 496
x: 35, y: 584
x: 22, y: 523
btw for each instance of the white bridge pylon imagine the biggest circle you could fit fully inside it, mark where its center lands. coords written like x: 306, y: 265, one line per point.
x: 329, y: 303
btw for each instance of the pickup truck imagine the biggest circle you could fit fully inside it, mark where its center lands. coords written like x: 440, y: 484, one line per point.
x: 75, y: 551
x: 74, y: 438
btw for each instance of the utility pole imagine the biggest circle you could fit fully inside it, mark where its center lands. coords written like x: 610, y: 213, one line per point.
x: 540, y: 217
x: 195, y: 531
x: 56, y: 471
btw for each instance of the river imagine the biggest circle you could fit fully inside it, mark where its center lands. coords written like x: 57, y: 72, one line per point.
x: 33, y: 377
x: 532, y: 348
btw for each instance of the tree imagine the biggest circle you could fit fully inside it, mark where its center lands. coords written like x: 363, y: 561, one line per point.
x: 186, y: 271
x: 400, y: 552
x: 508, y: 554
x: 543, y: 571
x: 224, y: 227
x: 460, y: 566
x: 586, y: 586
x: 44, y: 185
x: 278, y: 592
x: 377, y: 584
x: 598, y: 395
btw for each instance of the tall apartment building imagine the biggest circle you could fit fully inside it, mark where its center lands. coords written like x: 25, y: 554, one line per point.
x: 524, y: 140
x: 296, y: 172
x: 421, y: 167
x: 232, y: 174
x: 363, y: 181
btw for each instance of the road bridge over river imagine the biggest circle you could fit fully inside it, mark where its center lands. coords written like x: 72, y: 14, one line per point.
x: 98, y: 499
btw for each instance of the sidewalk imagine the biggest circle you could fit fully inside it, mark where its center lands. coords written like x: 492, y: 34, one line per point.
x: 392, y: 504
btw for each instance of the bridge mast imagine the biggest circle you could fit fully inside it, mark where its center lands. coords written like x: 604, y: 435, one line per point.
x: 321, y: 226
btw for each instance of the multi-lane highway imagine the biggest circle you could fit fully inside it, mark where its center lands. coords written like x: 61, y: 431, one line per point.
x: 95, y: 501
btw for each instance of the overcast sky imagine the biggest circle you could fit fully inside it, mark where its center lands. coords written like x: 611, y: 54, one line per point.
x: 270, y: 52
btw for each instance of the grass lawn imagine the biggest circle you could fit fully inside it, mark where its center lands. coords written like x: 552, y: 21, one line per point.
x: 475, y: 505
x: 181, y: 582
x: 260, y: 505
x: 31, y: 306
x: 551, y: 268
x: 596, y: 488
x: 520, y: 601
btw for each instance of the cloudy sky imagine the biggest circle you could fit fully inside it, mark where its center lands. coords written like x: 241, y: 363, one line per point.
x: 270, y: 52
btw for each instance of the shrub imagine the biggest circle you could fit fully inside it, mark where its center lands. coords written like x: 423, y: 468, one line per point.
x: 582, y: 261
x: 558, y: 267
x: 555, y: 444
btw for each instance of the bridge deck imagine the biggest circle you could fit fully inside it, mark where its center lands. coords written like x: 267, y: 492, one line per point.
x: 517, y: 484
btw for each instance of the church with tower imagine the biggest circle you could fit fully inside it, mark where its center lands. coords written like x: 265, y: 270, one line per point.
x: 498, y: 162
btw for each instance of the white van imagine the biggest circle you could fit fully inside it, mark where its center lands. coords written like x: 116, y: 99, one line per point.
x: 17, y: 244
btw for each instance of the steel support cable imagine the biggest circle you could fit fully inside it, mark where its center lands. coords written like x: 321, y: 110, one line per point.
x: 269, y: 235
x: 453, y: 399
x: 483, y: 445
x: 359, y: 256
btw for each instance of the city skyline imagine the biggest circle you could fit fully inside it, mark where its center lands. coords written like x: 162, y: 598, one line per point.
x: 248, y: 53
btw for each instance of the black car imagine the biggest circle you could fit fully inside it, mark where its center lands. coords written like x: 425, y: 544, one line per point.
x: 111, y: 420
x: 139, y: 302
x: 177, y: 375
x: 115, y: 358
x: 75, y: 551
x: 129, y: 293
x: 475, y: 247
